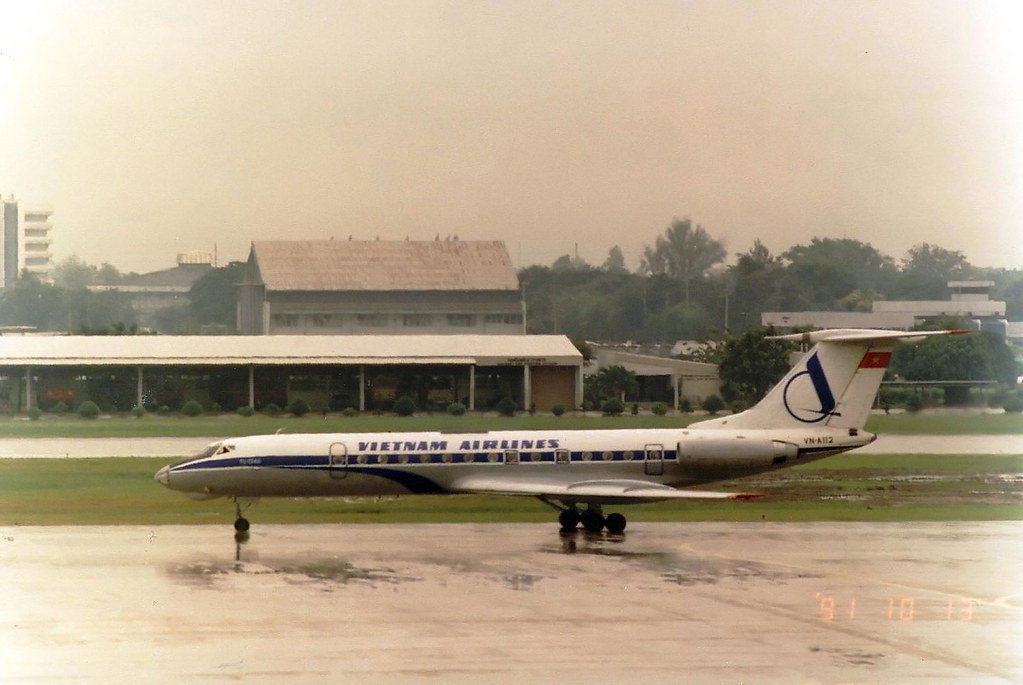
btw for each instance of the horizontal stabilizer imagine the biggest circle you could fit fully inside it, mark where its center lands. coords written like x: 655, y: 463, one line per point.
x: 855, y: 335
x: 599, y: 491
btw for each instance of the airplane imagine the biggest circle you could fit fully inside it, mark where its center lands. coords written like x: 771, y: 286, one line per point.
x: 818, y: 409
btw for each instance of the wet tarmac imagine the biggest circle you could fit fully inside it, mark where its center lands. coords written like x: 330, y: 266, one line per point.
x: 666, y: 602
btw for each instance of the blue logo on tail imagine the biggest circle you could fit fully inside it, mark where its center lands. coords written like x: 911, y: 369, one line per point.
x: 798, y: 396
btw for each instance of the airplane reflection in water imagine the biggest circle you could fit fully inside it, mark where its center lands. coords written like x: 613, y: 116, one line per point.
x: 817, y: 410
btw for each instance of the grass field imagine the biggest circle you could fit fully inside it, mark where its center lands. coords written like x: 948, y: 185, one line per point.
x: 845, y: 488
x: 233, y: 425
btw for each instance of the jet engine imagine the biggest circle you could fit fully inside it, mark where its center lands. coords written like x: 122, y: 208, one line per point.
x: 732, y: 455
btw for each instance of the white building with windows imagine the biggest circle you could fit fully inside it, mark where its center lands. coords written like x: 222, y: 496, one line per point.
x: 25, y: 232
x: 970, y: 300
x: 355, y: 287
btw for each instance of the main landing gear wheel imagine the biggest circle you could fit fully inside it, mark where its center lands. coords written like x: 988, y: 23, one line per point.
x: 241, y: 524
x: 615, y: 524
x: 592, y: 521
x: 569, y: 519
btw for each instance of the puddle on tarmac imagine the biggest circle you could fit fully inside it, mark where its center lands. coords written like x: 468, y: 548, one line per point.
x: 331, y: 571
x: 702, y: 571
x: 851, y: 657
x: 521, y: 582
x: 606, y: 545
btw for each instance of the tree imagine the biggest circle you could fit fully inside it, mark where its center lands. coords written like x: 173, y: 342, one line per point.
x: 569, y: 263
x: 683, y: 252
x: 74, y: 274
x: 756, y: 259
x: 614, y: 381
x: 615, y: 261
x: 31, y: 303
x: 214, y: 297
x: 108, y: 274
x: 828, y: 269
x: 755, y: 279
x: 981, y: 357
x: 750, y: 365
x: 927, y: 269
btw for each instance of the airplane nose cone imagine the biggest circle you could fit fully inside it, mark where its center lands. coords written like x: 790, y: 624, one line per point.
x: 163, y: 476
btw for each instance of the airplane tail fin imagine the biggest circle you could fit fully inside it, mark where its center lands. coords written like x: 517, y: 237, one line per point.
x: 833, y: 385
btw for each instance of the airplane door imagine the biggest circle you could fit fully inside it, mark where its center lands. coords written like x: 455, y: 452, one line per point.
x: 338, y: 460
x: 653, y: 463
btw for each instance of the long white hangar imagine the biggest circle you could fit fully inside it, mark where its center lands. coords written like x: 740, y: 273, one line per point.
x: 329, y: 372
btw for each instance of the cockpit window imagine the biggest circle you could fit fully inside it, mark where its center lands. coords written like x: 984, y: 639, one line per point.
x: 208, y: 452
x: 224, y: 449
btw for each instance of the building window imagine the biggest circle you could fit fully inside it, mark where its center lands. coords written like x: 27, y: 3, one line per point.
x: 285, y: 320
x: 324, y: 320
x: 462, y: 320
x: 504, y: 318
x: 416, y: 320
x: 372, y: 320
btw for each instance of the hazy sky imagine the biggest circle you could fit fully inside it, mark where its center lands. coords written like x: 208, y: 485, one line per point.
x: 161, y: 127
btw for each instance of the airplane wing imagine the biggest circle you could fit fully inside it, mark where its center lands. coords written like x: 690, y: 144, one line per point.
x: 611, y: 491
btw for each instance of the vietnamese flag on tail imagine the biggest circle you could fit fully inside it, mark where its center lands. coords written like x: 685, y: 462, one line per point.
x: 876, y: 360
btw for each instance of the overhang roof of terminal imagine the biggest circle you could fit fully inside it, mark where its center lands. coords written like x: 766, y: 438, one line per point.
x: 298, y: 350
x: 364, y: 265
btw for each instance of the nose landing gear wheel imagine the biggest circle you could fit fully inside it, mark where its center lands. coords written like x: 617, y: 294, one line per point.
x: 241, y: 524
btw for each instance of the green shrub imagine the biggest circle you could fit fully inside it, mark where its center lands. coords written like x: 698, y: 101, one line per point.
x: 914, y: 403
x: 634, y: 409
x: 138, y: 411
x: 558, y: 409
x: 456, y: 409
x: 245, y: 410
x: 404, y: 406
x: 163, y: 410
x: 713, y: 404
x: 271, y: 409
x: 893, y: 397
x: 998, y: 396
x: 659, y: 408
x: 298, y: 407
x: 612, y: 407
x: 35, y: 413
x: 1013, y: 405
x: 737, y: 406
x: 191, y: 408
x: 349, y: 412
x: 507, y: 407
x: 685, y: 406
x: 88, y: 409
x: 59, y: 408
x: 216, y: 408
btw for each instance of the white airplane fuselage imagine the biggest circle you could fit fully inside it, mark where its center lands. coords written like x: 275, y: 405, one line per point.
x: 348, y: 464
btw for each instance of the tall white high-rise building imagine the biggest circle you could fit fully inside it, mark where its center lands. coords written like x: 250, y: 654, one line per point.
x: 26, y: 241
